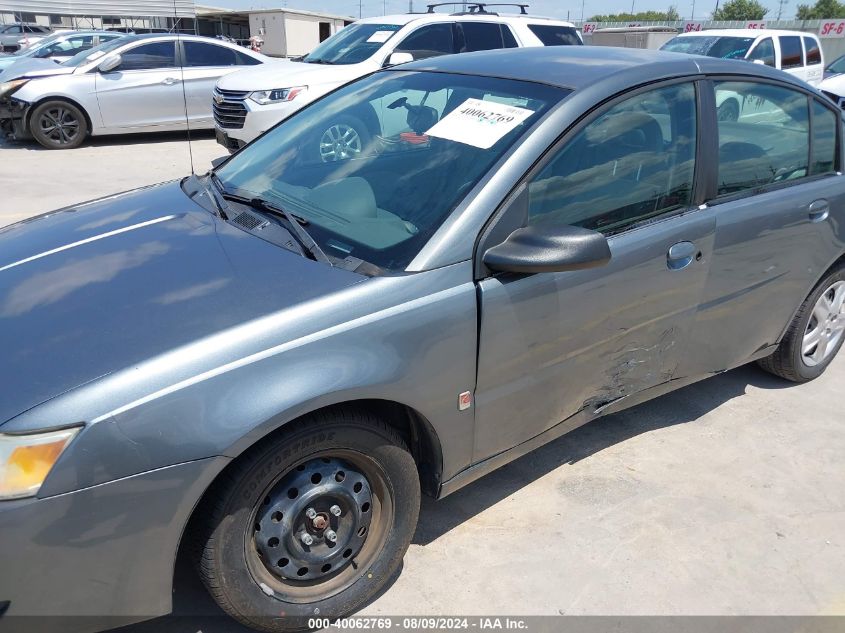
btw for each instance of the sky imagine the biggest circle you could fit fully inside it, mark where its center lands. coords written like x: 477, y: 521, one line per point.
x: 553, y: 8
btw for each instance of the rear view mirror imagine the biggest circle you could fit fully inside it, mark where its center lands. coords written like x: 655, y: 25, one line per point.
x: 110, y: 63
x: 399, y: 58
x: 547, y: 249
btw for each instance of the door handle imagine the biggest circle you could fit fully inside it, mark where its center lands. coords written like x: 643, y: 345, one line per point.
x: 681, y: 255
x: 169, y: 81
x: 819, y: 210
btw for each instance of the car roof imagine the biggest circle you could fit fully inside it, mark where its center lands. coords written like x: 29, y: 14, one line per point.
x: 407, y: 18
x: 577, y: 67
x: 743, y: 33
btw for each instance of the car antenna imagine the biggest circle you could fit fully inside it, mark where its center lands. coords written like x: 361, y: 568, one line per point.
x: 179, y: 49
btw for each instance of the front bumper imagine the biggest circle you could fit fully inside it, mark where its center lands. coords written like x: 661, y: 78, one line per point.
x: 102, y: 553
x: 13, y: 117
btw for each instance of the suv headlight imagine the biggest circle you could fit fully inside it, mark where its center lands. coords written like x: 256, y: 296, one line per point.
x: 263, y: 97
x: 8, y: 87
x: 26, y: 460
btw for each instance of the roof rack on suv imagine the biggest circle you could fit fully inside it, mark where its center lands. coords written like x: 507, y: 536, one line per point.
x: 478, y: 7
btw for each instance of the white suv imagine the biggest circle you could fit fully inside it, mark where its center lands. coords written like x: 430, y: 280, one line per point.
x: 249, y: 102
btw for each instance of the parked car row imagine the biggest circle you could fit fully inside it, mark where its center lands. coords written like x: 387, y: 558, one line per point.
x: 295, y: 348
x: 11, y: 35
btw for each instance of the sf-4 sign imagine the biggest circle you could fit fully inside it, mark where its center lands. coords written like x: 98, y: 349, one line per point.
x: 693, y: 27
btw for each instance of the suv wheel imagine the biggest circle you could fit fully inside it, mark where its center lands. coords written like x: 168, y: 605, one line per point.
x: 58, y: 125
x: 312, y: 523
x: 815, y: 335
x: 345, y: 138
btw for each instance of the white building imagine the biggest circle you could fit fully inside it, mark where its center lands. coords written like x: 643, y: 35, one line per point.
x: 286, y: 32
x: 81, y: 14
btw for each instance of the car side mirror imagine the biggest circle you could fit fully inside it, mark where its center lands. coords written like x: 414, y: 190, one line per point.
x: 759, y: 61
x: 398, y: 58
x: 110, y: 63
x: 547, y: 249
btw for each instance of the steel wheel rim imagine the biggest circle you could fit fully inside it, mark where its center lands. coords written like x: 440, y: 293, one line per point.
x: 59, y: 125
x: 318, y: 583
x: 826, y: 326
x: 339, y: 142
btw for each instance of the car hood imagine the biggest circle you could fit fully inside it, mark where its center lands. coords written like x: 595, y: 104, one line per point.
x: 287, y: 74
x: 35, y: 68
x: 834, y: 84
x: 92, y: 289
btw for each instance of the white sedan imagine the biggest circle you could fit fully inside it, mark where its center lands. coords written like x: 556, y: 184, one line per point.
x: 139, y: 83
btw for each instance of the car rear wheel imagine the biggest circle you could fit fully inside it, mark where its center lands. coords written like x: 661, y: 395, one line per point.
x: 312, y: 523
x: 58, y: 125
x: 815, y: 335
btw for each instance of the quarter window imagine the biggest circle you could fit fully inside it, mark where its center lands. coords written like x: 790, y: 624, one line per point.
x: 824, y: 140
x: 764, y: 52
x: 632, y: 163
x: 429, y: 41
x: 791, y: 55
x: 814, y: 53
x: 764, y: 135
x: 551, y: 35
x: 149, y: 56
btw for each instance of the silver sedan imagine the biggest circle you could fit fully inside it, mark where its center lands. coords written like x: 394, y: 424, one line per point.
x: 139, y: 83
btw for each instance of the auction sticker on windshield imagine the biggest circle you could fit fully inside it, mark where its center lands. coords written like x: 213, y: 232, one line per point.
x: 479, y: 123
x: 380, y: 37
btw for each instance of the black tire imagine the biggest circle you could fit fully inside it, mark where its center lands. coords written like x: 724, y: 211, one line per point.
x: 728, y: 111
x: 788, y: 361
x: 252, y: 505
x: 58, y: 125
x: 350, y: 146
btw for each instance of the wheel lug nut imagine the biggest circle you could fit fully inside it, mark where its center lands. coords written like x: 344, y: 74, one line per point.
x: 306, y: 538
x: 335, y: 510
x: 331, y: 536
x: 310, y: 513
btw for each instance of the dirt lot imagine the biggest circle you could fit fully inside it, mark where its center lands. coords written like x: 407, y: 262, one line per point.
x: 727, y: 497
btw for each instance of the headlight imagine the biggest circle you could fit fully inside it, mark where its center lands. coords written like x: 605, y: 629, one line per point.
x: 8, y: 87
x: 278, y: 95
x: 26, y: 460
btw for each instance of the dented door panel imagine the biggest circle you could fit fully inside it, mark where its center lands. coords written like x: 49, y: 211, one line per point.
x: 553, y: 344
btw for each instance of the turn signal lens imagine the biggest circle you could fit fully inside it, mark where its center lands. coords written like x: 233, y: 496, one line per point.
x: 26, y: 460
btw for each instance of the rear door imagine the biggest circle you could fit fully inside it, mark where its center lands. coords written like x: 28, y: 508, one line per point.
x: 145, y: 90
x: 814, y: 60
x: 554, y: 344
x: 777, y: 188
x: 430, y: 40
x: 204, y: 64
x: 792, y: 56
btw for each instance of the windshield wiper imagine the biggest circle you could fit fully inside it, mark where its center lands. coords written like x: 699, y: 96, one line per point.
x: 317, y: 61
x: 299, y: 233
x: 217, y: 193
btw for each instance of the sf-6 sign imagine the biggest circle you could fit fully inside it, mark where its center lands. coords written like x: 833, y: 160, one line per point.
x: 832, y: 28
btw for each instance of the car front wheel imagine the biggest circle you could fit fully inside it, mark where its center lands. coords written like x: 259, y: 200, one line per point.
x: 312, y: 523
x: 58, y: 125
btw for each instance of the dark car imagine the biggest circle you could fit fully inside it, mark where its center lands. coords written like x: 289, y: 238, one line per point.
x: 264, y: 366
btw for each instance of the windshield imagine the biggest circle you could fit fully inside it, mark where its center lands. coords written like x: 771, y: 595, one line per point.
x: 716, y: 46
x: 837, y: 66
x: 376, y: 167
x: 30, y: 51
x: 95, y: 53
x: 352, y: 44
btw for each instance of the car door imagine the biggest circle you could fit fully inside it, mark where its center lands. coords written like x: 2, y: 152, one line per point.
x: 554, y: 344
x: 145, y: 90
x: 815, y: 62
x: 204, y: 64
x: 772, y: 213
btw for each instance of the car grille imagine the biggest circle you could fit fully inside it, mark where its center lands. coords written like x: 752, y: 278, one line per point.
x: 229, y: 112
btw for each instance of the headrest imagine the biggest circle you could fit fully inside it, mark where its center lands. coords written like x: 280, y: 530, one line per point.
x: 352, y: 197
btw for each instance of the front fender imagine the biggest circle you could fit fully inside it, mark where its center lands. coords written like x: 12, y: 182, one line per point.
x: 416, y: 346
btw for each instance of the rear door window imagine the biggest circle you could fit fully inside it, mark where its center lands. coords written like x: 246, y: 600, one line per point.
x: 481, y: 36
x: 202, y: 54
x: 823, y: 160
x: 814, y: 53
x: 766, y: 138
x: 554, y: 35
x: 791, y: 55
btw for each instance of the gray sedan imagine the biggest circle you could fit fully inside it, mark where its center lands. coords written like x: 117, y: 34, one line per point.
x: 265, y: 366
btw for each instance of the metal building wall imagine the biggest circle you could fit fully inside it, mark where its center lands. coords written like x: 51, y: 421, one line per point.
x: 148, y: 8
